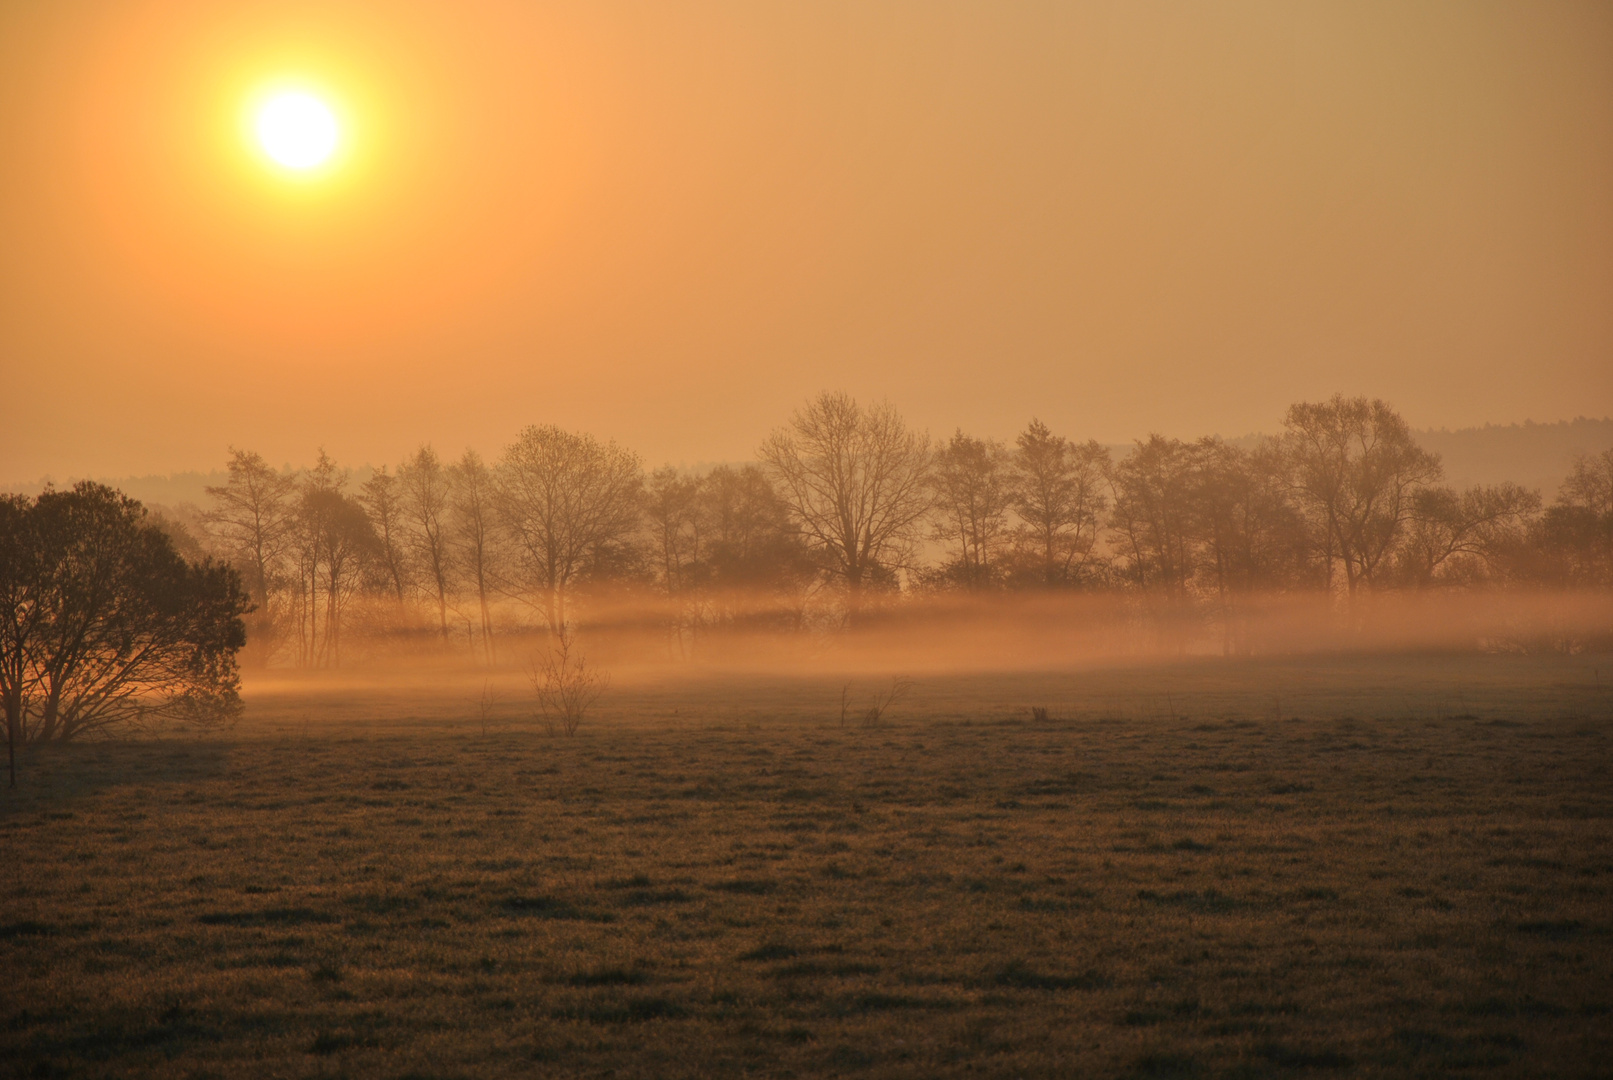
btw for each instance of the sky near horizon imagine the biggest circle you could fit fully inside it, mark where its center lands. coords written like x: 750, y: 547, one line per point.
x: 670, y: 223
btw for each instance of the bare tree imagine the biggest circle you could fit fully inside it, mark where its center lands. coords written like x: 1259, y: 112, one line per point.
x: 425, y: 489
x: 1059, y: 497
x: 1251, y: 534
x: 335, y: 543
x: 751, y: 551
x: 972, y: 492
x: 383, y: 502
x: 473, y: 494
x: 1356, y: 469
x: 1587, y: 499
x: 1152, y: 523
x: 672, y: 511
x: 855, y: 481
x: 1460, y: 538
x: 568, y: 502
x: 251, y: 518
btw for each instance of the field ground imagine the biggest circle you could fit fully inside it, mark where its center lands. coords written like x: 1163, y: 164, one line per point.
x: 1364, y: 866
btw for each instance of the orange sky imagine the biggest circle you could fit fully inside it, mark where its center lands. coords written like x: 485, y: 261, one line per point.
x: 670, y: 222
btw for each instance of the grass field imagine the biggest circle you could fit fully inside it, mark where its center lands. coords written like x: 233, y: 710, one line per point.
x: 1321, y: 867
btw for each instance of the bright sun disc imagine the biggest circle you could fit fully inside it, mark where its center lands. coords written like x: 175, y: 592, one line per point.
x: 297, y: 130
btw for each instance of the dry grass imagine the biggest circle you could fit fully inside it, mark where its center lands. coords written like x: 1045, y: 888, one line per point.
x: 1362, y: 867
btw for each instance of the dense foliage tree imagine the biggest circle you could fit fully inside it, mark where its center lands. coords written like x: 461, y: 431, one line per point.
x: 105, y: 625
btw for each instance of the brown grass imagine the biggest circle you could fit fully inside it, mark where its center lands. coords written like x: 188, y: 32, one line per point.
x: 1322, y: 867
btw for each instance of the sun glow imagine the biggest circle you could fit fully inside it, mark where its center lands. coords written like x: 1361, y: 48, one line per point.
x: 297, y: 130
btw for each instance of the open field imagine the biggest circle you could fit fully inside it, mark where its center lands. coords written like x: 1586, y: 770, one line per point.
x: 1360, y: 866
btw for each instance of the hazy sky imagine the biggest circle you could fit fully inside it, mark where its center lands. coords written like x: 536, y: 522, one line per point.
x: 670, y: 222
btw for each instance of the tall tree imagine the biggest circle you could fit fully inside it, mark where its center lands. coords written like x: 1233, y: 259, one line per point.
x: 1152, y: 523
x: 341, y: 534
x: 972, y: 492
x: 1573, y: 540
x: 1252, y: 536
x: 856, y: 482
x: 251, y: 517
x: 1059, y: 497
x: 568, y: 502
x: 425, y: 489
x: 673, y: 520
x: 754, y: 566
x: 473, y: 495
x: 383, y: 502
x: 1356, y: 470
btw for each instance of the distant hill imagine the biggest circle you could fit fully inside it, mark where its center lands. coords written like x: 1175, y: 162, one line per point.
x: 1534, y: 455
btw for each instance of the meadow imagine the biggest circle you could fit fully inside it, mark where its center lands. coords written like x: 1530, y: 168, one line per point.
x: 1361, y: 866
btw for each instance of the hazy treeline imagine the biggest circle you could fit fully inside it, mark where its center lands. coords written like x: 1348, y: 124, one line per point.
x: 848, y: 510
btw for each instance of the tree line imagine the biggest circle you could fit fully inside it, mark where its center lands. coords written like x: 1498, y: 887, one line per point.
x: 848, y: 507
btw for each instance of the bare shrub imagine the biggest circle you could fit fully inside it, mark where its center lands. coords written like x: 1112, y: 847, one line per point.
x: 1039, y: 713
x: 566, y: 686
x: 882, y: 703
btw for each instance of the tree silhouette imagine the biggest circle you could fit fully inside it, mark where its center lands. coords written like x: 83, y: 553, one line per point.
x: 855, y: 481
x: 106, y: 626
x: 567, y: 501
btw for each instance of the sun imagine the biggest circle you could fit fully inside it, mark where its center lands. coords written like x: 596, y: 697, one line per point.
x: 297, y: 130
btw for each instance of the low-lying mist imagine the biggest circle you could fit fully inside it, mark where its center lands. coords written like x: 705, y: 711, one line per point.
x: 635, y: 637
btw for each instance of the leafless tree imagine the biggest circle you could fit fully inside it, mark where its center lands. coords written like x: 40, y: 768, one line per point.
x: 1251, y: 534
x: 1152, y: 524
x: 383, y: 502
x: 1059, y: 497
x: 474, y: 537
x: 336, y: 542
x: 1464, y: 537
x: 855, y: 482
x: 972, y: 492
x: 673, y: 519
x: 752, y: 552
x: 251, y: 519
x: 1356, y: 470
x: 1587, y: 499
x: 425, y: 490
x: 568, y: 502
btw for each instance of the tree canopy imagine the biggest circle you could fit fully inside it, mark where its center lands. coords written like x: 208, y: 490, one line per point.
x: 104, y: 626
